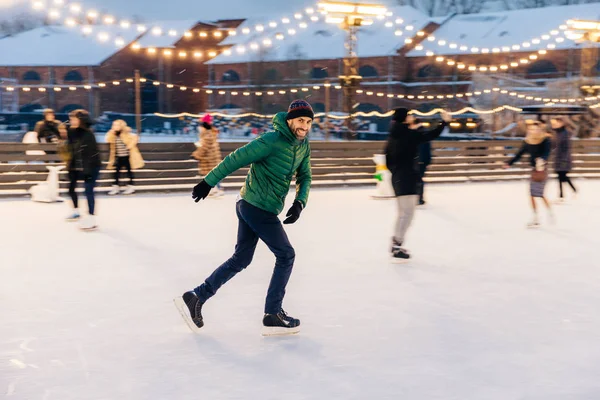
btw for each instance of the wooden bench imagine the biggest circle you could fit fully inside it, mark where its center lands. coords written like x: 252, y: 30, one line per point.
x: 169, y: 166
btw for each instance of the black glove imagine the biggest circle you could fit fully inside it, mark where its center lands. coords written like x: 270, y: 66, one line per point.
x: 293, y: 213
x: 201, y: 190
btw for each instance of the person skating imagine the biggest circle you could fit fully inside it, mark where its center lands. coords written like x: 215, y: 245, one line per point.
x: 84, y: 164
x: 274, y: 159
x: 47, y: 129
x: 562, y: 159
x: 402, y: 160
x: 537, y: 144
x: 208, y: 152
x: 124, y: 154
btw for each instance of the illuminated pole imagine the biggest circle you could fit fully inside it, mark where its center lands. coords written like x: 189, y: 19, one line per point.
x: 350, y: 17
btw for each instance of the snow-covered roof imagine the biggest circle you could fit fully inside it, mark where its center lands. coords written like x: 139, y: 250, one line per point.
x: 320, y: 40
x: 506, y: 28
x: 59, y: 46
x: 171, y: 33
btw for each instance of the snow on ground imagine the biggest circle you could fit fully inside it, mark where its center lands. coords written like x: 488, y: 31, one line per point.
x: 487, y: 310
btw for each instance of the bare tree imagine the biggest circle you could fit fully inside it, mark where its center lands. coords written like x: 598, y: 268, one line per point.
x: 20, y: 23
x: 466, y: 6
x: 429, y: 7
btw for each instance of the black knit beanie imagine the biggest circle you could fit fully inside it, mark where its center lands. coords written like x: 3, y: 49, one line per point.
x: 300, y: 108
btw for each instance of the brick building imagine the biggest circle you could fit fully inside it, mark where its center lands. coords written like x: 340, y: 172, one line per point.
x: 277, y: 59
x: 398, y: 66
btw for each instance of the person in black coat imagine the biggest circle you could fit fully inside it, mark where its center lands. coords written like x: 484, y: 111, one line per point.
x: 402, y: 151
x: 47, y: 129
x: 562, y: 160
x: 538, y: 145
x: 84, y: 164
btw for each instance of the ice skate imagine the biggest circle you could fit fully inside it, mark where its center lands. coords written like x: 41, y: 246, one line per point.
x: 129, y: 190
x: 74, y: 216
x: 280, y: 324
x: 190, y: 309
x: 534, y: 223
x: 551, y: 218
x: 88, y: 223
x: 400, y: 256
x: 114, y: 190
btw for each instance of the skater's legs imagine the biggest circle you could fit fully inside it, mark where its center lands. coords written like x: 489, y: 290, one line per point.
x: 547, y: 203
x: 270, y: 230
x: 127, y: 164
x: 561, y: 179
x: 568, y: 180
x: 118, y: 166
x: 421, y: 185
x: 90, y: 183
x: 406, y: 212
x: 73, y: 175
x: 533, y: 205
x: 242, y: 257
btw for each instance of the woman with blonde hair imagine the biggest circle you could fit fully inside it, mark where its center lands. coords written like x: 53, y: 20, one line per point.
x: 208, y: 152
x: 124, y: 153
x: 537, y: 145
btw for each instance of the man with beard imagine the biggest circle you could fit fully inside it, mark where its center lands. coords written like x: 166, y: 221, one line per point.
x: 274, y: 159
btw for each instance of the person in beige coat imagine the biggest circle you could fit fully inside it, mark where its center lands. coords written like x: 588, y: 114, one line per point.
x: 208, y: 152
x: 124, y: 154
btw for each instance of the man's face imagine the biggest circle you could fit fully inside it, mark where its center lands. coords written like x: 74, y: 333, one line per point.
x: 300, y: 126
x: 410, y: 119
x: 50, y: 117
x: 556, y: 123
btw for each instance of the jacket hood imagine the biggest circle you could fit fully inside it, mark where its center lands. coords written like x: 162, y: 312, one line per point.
x: 281, y: 126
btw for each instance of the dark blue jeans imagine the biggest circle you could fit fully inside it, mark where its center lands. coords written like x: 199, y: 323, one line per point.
x: 89, y: 183
x: 255, y: 224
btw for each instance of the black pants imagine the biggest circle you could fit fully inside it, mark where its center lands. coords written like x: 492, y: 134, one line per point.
x: 255, y: 224
x: 563, y: 178
x: 123, y: 162
x: 421, y: 184
x: 89, y: 182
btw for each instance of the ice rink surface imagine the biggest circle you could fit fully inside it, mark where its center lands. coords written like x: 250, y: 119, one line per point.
x: 488, y: 310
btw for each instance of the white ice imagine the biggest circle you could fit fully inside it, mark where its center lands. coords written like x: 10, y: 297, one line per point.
x: 488, y: 310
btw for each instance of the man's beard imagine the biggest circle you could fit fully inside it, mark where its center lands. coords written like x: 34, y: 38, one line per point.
x: 297, y: 132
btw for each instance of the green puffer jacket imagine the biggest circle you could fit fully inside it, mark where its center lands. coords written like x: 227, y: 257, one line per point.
x: 275, y: 158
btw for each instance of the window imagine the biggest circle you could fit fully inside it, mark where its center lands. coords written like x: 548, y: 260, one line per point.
x: 542, y: 67
x: 31, y: 76
x: 271, y: 75
x: 230, y: 76
x: 367, y: 71
x: 229, y: 106
x: 319, y: 73
x: 149, y: 95
x: 71, y: 107
x: 318, y: 107
x: 31, y: 108
x: 73, y: 76
x: 429, y: 71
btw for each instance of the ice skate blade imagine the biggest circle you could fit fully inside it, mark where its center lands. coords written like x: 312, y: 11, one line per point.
x: 394, y: 260
x: 533, y: 226
x: 92, y: 229
x: 185, y: 314
x: 279, y: 331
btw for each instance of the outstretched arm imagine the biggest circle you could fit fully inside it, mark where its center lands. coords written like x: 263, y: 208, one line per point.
x: 519, y: 154
x: 254, y: 151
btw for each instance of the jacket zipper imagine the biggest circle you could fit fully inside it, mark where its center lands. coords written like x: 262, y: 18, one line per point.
x: 291, y: 174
